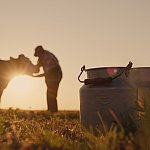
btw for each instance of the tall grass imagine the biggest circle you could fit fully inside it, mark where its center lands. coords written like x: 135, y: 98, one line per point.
x: 27, y: 130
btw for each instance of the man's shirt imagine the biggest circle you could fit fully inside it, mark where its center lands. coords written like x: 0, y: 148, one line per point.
x: 48, y: 61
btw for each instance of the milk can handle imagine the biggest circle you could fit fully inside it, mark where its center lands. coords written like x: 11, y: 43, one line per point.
x: 106, y: 80
x: 82, y: 69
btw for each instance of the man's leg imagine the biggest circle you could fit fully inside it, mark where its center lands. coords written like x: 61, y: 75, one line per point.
x: 52, y: 82
x: 52, y: 88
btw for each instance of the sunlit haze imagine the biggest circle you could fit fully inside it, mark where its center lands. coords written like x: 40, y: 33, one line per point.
x: 82, y: 32
x: 22, y: 93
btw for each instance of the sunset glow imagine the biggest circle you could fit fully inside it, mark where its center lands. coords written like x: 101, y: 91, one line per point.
x: 22, y: 93
x: 92, y: 33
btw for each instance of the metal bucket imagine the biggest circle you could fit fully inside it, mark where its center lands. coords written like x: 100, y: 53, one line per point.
x: 141, y: 78
x: 107, y: 102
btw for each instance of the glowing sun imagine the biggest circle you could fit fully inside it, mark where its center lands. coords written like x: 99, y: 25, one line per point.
x: 25, y: 92
x: 21, y: 84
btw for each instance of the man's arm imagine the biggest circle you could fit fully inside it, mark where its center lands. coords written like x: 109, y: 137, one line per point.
x: 38, y: 65
x: 39, y: 75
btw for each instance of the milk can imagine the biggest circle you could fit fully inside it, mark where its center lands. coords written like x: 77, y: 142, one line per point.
x: 106, y: 97
x: 141, y: 77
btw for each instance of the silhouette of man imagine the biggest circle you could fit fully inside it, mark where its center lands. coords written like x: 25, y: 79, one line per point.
x: 52, y: 74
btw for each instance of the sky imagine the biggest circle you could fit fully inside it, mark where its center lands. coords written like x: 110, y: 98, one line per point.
x: 94, y: 33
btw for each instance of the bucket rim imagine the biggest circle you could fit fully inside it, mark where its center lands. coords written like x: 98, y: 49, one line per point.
x: 117, y: 67
x: 104, y: 68
x: 146, y: 67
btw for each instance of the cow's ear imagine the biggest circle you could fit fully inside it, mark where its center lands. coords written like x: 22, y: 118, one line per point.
x: 21, y: 56
x: 11, y: 58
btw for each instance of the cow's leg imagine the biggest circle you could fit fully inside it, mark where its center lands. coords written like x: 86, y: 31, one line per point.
x: 1, y: 92
x: 3, y: 86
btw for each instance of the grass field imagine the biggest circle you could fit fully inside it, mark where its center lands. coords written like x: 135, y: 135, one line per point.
x: 30, y: 130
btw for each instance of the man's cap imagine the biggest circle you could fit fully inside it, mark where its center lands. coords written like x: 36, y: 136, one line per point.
x: 38, y: 50
x: 39, y: 47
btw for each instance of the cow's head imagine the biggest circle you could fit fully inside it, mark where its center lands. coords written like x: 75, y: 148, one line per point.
x: 22, y: 65
x: 14, y: 67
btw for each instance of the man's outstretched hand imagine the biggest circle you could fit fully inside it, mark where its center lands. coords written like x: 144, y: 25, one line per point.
x: 39, y: 75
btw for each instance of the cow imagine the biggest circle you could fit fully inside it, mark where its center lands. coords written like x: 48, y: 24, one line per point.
x: 13, y: 67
